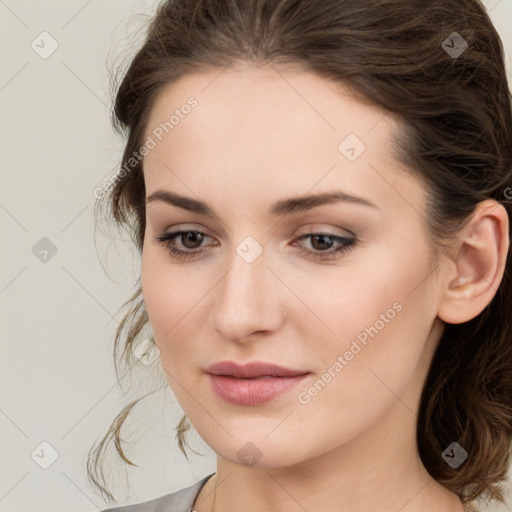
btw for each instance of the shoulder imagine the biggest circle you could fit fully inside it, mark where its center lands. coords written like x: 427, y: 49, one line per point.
x: 179, y: 501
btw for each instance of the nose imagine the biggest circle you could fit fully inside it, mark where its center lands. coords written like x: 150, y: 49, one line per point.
x: 246, y: 300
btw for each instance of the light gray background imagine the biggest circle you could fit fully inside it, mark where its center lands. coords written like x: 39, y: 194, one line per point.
x: 59, y: 317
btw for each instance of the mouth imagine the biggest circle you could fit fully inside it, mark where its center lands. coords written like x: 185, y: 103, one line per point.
x: 252, y: 384
x: 251, y: 370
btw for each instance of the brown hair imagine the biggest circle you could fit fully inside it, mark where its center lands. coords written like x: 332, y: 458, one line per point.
x: 456, y: 137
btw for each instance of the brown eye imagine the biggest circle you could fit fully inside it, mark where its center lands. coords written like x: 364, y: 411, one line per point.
x: 191, y: 239
x: 321, y: 242
x: 325, y: 245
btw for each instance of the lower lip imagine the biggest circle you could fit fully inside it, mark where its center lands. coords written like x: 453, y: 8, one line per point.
x: 253, y: 391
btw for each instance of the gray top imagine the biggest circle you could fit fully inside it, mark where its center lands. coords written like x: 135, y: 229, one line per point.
x: 183, y: 501
x: 179, y: 501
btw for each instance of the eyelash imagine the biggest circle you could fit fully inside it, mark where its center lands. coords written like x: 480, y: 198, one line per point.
x: 348, y: 243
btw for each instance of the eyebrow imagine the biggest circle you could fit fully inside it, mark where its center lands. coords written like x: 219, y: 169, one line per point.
x: 280, y: 208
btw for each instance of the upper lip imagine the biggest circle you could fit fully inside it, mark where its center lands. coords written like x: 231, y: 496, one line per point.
x: 253, y: 369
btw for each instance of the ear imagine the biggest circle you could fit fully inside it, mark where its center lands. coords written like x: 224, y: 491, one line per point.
x: 473, y: 277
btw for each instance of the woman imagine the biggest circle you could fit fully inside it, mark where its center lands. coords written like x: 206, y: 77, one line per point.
x: 320, y: 192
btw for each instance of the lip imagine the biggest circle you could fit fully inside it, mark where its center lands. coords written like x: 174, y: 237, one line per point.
x: 252, y: 369
x: 254, y: 383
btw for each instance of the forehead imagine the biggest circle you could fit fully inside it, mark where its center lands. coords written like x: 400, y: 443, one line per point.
x: 253, y: 128
x: 266, y: 96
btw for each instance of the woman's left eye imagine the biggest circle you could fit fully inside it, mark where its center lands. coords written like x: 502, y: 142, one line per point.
x: 344, y: 244
x: 193, y: 237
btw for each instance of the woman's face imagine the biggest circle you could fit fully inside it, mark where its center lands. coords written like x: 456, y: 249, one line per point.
x: 263, y: 284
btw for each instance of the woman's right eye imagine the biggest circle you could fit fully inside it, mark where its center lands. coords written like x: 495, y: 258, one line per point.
x: 168, y: 241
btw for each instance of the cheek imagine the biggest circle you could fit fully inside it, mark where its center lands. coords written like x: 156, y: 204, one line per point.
x: 376, y: 314
x: 379, y: 291
x: 382, y: 314
x: 167, y: 297
x: 177, y: 299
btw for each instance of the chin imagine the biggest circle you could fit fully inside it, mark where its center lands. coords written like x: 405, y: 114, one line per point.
x: 259, y: 451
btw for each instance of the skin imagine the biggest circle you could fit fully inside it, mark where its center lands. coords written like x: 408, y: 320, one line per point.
x: 258, y: 136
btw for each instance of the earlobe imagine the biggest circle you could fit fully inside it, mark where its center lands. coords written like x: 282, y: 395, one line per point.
x: 478, y: 266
